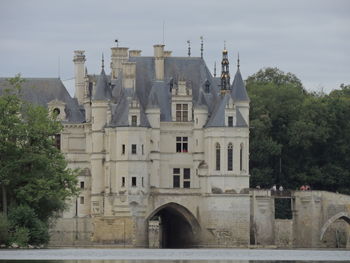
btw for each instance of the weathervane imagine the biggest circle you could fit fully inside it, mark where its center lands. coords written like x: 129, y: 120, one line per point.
x: 189, y: 47
x: 116, y: 41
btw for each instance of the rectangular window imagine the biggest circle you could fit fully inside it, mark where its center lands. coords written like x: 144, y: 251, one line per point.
x: 181, y: 144
x: 123, y: 181
x: 187, y: 178
x: 143, y: 152
x: 133, y: 181
x: 133, y: 120
x: 81, y: 200
x: 181, y: 112
x: 229, y: 157
x: 123, y: 149
x: 142, y: 183
x: 82, y: 185
x: 230, y: 121
x: 133, y: 149
x: 176, y: 177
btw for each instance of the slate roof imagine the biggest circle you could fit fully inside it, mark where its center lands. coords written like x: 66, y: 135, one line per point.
x: 40, y: 91
x: 239, y: 92
x: 103, y: 90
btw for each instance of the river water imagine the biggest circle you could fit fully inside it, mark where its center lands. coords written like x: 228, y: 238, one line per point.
x: 171, y: 255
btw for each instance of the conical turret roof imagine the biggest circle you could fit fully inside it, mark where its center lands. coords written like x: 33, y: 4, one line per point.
x: 239, y: 92
x: 103, y: 90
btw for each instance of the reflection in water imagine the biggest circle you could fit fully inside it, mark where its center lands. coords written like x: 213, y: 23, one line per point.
x: 165, y: 261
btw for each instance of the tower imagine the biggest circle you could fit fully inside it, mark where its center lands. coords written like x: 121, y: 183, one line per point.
x: 79, y: 65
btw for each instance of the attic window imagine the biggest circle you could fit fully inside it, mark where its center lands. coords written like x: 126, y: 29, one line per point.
x: 133, y: 120
x: 230, y: 121
x: 56, y: 111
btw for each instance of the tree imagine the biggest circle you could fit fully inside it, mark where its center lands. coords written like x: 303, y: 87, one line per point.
x: 33, y: 173
x: 298, y: 137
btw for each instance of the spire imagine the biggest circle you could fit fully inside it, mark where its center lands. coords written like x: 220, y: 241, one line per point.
x: 189, y: 47
x: 201, y: 46
x: 215, y: 69
x: 225, y: 72
x: 103, y: 62
x: 238, y: 61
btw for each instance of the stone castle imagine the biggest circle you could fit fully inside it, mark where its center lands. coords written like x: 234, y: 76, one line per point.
x: 163, y: 150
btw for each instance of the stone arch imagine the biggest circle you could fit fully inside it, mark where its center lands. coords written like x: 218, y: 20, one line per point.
x: 342, y: 215
x: 179, y: 227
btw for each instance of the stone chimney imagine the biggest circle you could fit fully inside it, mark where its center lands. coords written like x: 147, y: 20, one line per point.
x: 129, y: 75
x: 159, y: 61
x: 119, y: 55
x: 79, y: 74
x: 134, y: 53
x: 167, y: 53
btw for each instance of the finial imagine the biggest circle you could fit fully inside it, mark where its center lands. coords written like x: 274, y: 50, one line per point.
x: 238, y: 61
x: 201, y: 46
x: 214, y: 69
x: 116, y: 41
x: 103, y: 62
x: 189, y: 47
x: 224, y: 44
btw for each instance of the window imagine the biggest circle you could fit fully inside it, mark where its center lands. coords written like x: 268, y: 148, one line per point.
x: 82, y: 185
x: 133, y: 148
x: 58, y: 141
x: 241, y: 157
x: 230, y: 121
x: 143, y: 152
x: 123, y: 149
x: 142, y: 182
x: 176, y: 178
x: 133, y: 120
x: 81, y: 200
x: 181, y: 144
x: 181, y: 112
x: 207, y: 87
x: 56, y: 111
x: 187, y: 177
x: 217, y: 157
x: 229, y: 157
x: 123, y: 181
x: 133, y: 181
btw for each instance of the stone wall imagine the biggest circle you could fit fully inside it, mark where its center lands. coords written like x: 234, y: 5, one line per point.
x: 71, y: 232
x: 284, y: 233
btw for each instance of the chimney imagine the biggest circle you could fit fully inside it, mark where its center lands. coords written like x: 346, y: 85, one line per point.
x: 167, y: 53
x: 159, y: 61
x: 134, y: 53
x: 79, y: 74
x: 129, y: 75
x: 119, y: 55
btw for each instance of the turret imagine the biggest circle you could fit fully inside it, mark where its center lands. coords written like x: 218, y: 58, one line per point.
x: 79, y: 68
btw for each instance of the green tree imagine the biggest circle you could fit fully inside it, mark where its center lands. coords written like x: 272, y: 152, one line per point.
x: 298, y: 137
x: 33, y: 173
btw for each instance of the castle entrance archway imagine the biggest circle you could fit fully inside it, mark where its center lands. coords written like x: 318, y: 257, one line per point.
x: 172, y: 226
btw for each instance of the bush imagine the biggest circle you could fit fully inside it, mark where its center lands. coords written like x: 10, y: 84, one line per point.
x: 4, y: 229
x: 24, y: 217
x: 20, y: 236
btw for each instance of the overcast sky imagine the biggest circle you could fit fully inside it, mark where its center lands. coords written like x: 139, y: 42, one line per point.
x: 308, y: 38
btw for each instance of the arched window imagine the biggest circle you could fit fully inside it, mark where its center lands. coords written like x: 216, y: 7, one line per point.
x: 241, y: 157
x: 217, y: 158
x: 229, y: 156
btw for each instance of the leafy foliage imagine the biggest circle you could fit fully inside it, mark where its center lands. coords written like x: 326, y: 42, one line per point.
x: 298, y: 137
x: 34, y: 176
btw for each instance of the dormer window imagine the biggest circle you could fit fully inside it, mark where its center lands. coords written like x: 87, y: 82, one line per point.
x: 230, y: 121
x: 181, y: 112
x: 133, y: 120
